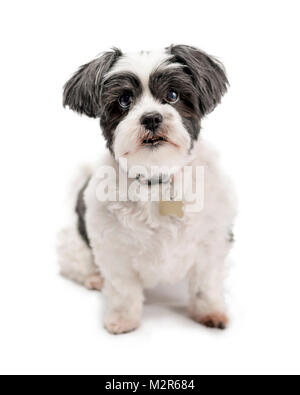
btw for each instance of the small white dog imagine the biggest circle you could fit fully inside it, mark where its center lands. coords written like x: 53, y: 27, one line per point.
x: 150, y: 106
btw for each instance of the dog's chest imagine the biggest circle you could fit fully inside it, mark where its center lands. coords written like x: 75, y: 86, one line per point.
x: 166, y: 261
x: 163, y: 247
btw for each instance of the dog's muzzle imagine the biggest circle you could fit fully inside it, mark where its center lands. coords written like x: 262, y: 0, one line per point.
x: 153, y: 134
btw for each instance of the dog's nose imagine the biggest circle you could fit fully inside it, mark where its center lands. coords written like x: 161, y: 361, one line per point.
x: 151, y: 121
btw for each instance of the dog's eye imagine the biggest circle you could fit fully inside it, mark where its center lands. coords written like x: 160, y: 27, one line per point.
x: 125, y: 100
x: 172, y: 97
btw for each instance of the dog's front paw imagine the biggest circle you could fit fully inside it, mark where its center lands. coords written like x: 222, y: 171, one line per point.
x: 117, y: 325
x: 94, y: 282
x: 213, y: 320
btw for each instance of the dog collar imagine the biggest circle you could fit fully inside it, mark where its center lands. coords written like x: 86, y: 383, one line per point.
x: 156, y: 180
x: 166, y: 208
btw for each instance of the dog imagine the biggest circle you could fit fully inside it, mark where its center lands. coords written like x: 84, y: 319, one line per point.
x: 150, y: 106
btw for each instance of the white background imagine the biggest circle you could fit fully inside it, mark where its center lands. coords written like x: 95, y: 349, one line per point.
x: 49, y: 325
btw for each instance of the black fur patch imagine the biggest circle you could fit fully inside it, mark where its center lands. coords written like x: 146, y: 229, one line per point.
x: 162, y: 81
x: 231, y: 237
x: 111, y: 111
x: 207, y: 75
x: 81, y: 210
x: 82, y: 92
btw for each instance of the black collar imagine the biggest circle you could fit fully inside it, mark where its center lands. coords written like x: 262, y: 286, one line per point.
x: 157, y: 180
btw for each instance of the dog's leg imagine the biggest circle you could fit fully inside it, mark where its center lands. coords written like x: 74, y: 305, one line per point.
x: 207, y: 305
x: 124, y: 305
x: 76, y: 260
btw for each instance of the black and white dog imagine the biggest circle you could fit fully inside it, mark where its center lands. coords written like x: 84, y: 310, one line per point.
x: 150, y: 106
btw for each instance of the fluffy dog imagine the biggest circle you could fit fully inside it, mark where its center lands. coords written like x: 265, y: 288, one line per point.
x: 150, y: 107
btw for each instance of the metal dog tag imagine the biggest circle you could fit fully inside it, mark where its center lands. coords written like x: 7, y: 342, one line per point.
x: 172, y: 207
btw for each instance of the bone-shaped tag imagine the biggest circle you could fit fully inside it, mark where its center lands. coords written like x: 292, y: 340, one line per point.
x: 172, y: 207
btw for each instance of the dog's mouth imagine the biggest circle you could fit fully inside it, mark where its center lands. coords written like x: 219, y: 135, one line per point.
x: 153, y: 140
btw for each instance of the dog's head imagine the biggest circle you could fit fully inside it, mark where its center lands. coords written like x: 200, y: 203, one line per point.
x: 150, y: 104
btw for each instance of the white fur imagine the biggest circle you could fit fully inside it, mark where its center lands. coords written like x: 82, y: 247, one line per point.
x: 126, y: 139
x: 133, y: 246
x: 141, y: 64
x: 127, y: 145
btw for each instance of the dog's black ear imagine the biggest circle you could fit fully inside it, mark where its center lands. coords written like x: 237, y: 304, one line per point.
x: 208, y: 74
x: 82, y: 91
